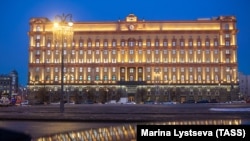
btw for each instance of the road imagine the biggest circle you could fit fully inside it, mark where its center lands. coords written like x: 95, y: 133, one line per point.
x: 42, y: 120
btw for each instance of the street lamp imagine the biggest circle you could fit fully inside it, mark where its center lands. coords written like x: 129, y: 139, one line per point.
x: 63, y: 33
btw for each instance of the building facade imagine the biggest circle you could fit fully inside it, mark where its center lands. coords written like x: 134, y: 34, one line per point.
x: 143, y: 60
x: 9, y: 84
x: 244, y: 85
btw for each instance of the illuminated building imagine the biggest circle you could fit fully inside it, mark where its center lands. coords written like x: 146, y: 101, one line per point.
x: 144, y: 60
x: 9, y: 84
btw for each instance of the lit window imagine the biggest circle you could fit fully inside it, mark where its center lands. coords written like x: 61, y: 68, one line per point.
x: 131, y: 70
x: 81, y: 44
x: 139, y: 51
x: 105, y: 52
x: 122, y: 51
x: 48, y: 44
x: 156, y: 43
x: 173, y: 69
x: 156, y: 51
x: 38, y: 28
x: 182, y: 69
x: 207, y: 69
x: 113, y: 77
x: 113, y: 69
x: 37, y: 44
x: 215, y: 51
x: 81, y: 52
x: 97, y: 69
x: 122, y: 43
x: 216, y: 69
x: 198, y: 51
x: 182, y: 51
x: 72, y: 69
x: 47, y: 69
x: 105, y: 44
x: 80, y: 69
x: 140, y: 43
x: 148, y: 51
x: 114, y: 44
x: 173, y: 43
x: 190, y: 51
x: 227, y: 43
x: 182, y: 43
x: 148, y: 69
x: 173, y: 51
x: 182, y: 78
x: 207, y: 44
x: 97, y: 52
x: 89, y: 69
x: 198, y: 43
x: 38, y: 37
x: 89, y: 78
x: 190, y: 43
x: 207, y: 51
x: 199, y: 69
x: 105, y: 69
x: 140, y: 70
x: 165, y: 51
x: 131, y: 51
x: 105, y: 77
x: 165, y: 43
x: 215, y: 43
x: 89, y: 44
x: 89, y: 51
x: 122, y: 70
x: 72, y: 51
x: 199, y: 77
x: 80, y: 77
x: 190, y: 69
x: 148, y: 43
x: 97, y: 43
x: 131, y: 43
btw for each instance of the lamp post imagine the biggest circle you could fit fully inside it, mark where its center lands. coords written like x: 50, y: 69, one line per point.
x: 62, y: 32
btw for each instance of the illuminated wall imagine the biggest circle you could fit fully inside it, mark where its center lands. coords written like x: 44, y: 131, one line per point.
x: 202, y: 51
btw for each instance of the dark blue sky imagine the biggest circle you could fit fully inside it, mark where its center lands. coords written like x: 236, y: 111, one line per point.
x: 15, y: 15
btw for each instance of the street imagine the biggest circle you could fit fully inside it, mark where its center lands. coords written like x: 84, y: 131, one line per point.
x: 44, y: 120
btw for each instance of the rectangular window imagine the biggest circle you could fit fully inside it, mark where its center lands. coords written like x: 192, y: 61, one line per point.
x: 148, y: 44
x: 173, y: 43
x: 165, y: 43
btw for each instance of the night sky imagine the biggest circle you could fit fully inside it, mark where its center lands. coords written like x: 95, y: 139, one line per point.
x: 15, y: 16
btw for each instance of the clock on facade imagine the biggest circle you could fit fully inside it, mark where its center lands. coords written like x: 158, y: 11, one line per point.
x: 131, y: 27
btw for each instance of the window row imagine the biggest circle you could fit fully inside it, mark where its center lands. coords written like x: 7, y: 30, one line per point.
x: 132, y: 70
x: 174, y: 78
x: 131, y: 51
x: 131, y: 42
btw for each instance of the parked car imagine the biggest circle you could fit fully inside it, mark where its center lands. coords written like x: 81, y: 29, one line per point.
x: 203, y: 101
x: 149, y: 102
x: 189, y: 101
x: 25, y: 102
x: 88, y: 102
x: 213, y: 101
x: 4, y: 101
x: 168, y: 102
